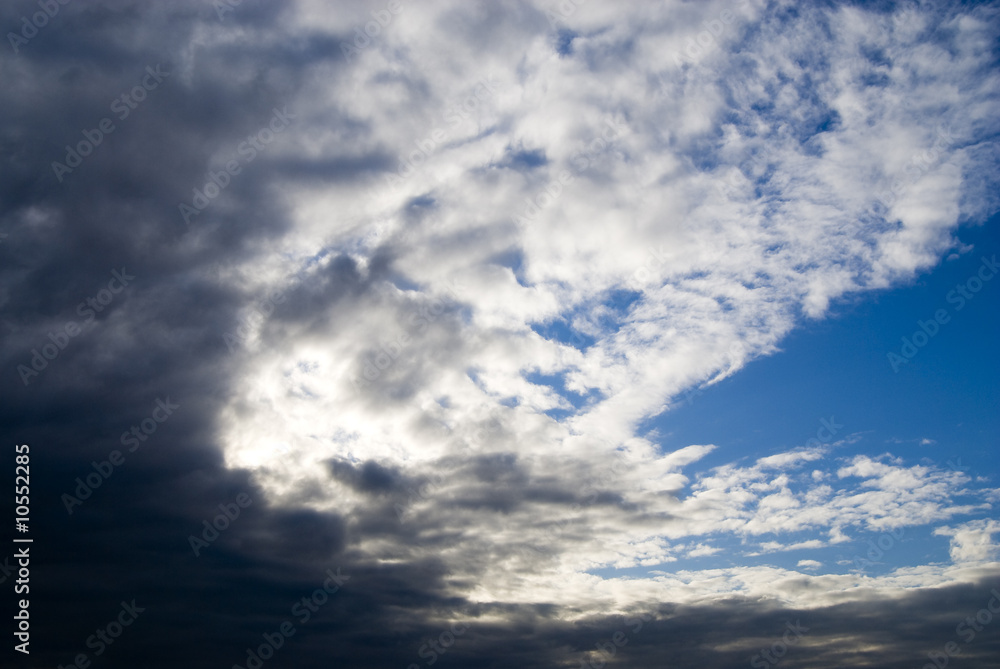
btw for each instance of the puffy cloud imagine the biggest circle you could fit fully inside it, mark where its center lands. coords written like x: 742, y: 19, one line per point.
x: 972, y: 541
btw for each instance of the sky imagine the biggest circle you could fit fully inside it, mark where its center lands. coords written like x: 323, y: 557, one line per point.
x: 500, y: 334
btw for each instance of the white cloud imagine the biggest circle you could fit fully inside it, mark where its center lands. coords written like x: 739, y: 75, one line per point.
x: 972, y: 541
x: 731, y: 199
x: 772, y: 546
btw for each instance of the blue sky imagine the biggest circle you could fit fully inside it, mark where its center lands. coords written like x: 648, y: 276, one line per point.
x: 838, y: 366
x: 943, y: 407
x: 940, y: 408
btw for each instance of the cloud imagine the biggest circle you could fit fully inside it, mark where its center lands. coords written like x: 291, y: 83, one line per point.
x: 972, y: 541
x: 448, y: 400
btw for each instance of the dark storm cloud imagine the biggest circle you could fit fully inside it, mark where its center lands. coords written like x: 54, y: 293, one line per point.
x: 314, y: 299
x: 336, y: 169
x: 160, y: 337
x: 370, y: 477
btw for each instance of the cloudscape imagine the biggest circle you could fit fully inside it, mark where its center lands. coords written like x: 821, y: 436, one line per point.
x: 577, y: 334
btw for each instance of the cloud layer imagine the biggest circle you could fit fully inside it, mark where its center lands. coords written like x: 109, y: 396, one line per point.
x: 417, y: 289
